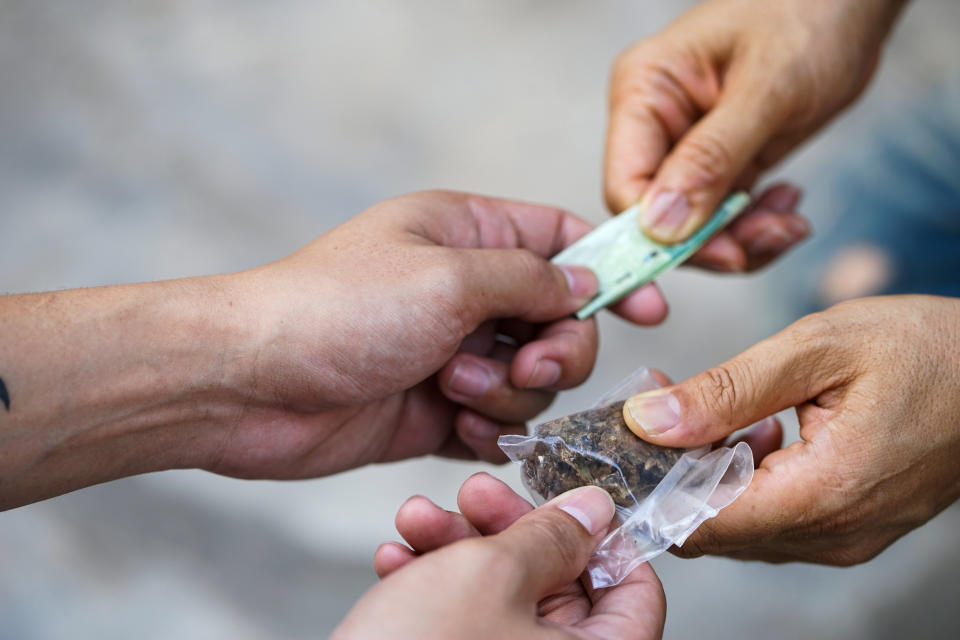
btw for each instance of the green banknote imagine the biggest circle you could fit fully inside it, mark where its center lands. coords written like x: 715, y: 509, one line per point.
x: 624, y: 258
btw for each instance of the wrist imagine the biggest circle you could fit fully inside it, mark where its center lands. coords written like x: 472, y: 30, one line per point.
x: 113, y: 381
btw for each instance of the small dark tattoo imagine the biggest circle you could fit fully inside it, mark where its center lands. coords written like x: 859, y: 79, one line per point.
x: 4, y: 396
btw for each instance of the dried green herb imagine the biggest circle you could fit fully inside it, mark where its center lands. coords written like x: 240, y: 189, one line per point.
x: 595, y: 447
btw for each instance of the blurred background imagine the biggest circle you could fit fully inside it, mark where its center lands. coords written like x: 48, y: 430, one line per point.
x: 164, y: 138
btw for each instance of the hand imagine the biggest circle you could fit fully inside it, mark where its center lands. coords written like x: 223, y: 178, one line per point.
x: 431, y: 323
x: 503, y: 570
x: 721, y: 95
x: 876, y: 384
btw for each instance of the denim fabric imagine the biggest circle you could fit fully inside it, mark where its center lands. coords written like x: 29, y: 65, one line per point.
x: 900, y: 192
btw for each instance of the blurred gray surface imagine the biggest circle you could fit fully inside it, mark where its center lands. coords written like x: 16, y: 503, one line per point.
x: 162, y: 138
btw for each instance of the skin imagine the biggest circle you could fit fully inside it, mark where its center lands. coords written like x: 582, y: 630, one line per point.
x: 344, y: 353
x: 708, y: 105
x: 499, y: 539
x: 723, y: 94
x: 875, y: 384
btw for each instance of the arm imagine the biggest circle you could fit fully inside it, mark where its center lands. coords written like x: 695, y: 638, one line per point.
x: 378, y: 341
x: 113, y: 381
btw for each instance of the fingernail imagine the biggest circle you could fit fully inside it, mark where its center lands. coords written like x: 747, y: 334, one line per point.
x: 470, y: 379
x: 545, y: 373
x: 591, y: 506
x: 666, y: 213
x: 581, y: 281
x: 772, y: 240
x: 655, y: 412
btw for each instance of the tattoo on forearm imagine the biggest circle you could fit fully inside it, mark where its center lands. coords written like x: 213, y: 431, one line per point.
x: 4, y: 396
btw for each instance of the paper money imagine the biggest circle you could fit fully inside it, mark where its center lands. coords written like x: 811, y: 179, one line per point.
x: 624, y: 258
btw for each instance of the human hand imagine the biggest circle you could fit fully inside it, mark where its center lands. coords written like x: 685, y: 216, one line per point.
x: 722, y: 94
x: 503, y: 570
x: 875, y: 383
x: 431, y: 323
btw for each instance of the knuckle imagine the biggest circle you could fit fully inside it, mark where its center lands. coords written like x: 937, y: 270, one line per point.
x: 633, y: 79
x: 826, y: 347
x: 813, y: 327
x: 643, y: 87
x: 723, y: 388
x: 451, y: 279
x: 448, y: 308
x: 544, y: 277
x: 553, y: 532
x: 707, y: 158
x: 629, y: 65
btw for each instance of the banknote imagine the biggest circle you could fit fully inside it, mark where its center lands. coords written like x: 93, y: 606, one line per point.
x: 624, y: 258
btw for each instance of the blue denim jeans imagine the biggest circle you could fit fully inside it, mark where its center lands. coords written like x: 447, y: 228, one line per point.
x: 899, y: 192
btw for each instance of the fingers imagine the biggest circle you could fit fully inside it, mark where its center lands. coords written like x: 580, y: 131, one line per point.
x: 489, y: 504
x: 500, y: 268
x: 771, y: 227
x: 506, y: 224
x: 479, y: 434
x: 783, y: 496
x: 635, y: 608
x: 426, y: 527
x: 391, y: 556
x: 783, y: 371
x: 561, y: 356
x: 483, y: 384
x: 646, y: 306
x: 508, y: 386
x: 516, y: 283
x: 469, y: 221
x: 721, y: 253
x: 763, y: 438
x: 651, y: 105
x: 702, y: 167
x: 503, y: 271
x: 768, y: 229
x: 636, y: 145
x: 550, y: 546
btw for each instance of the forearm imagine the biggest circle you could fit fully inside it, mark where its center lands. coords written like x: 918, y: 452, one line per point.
x: 109, y: 382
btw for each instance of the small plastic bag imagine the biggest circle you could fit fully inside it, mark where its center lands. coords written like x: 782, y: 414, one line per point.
x: 662, y: 494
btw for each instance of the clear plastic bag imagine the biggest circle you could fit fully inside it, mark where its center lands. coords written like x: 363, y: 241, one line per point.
x: 662, y: 494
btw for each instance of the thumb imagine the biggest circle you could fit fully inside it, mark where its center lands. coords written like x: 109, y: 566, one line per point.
x: 508, y: 283
x: 702, y: 168
x: 550, y: 545
x: 783, y: 371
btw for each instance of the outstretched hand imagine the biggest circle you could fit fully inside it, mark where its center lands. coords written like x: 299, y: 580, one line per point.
x: 431, y: 323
